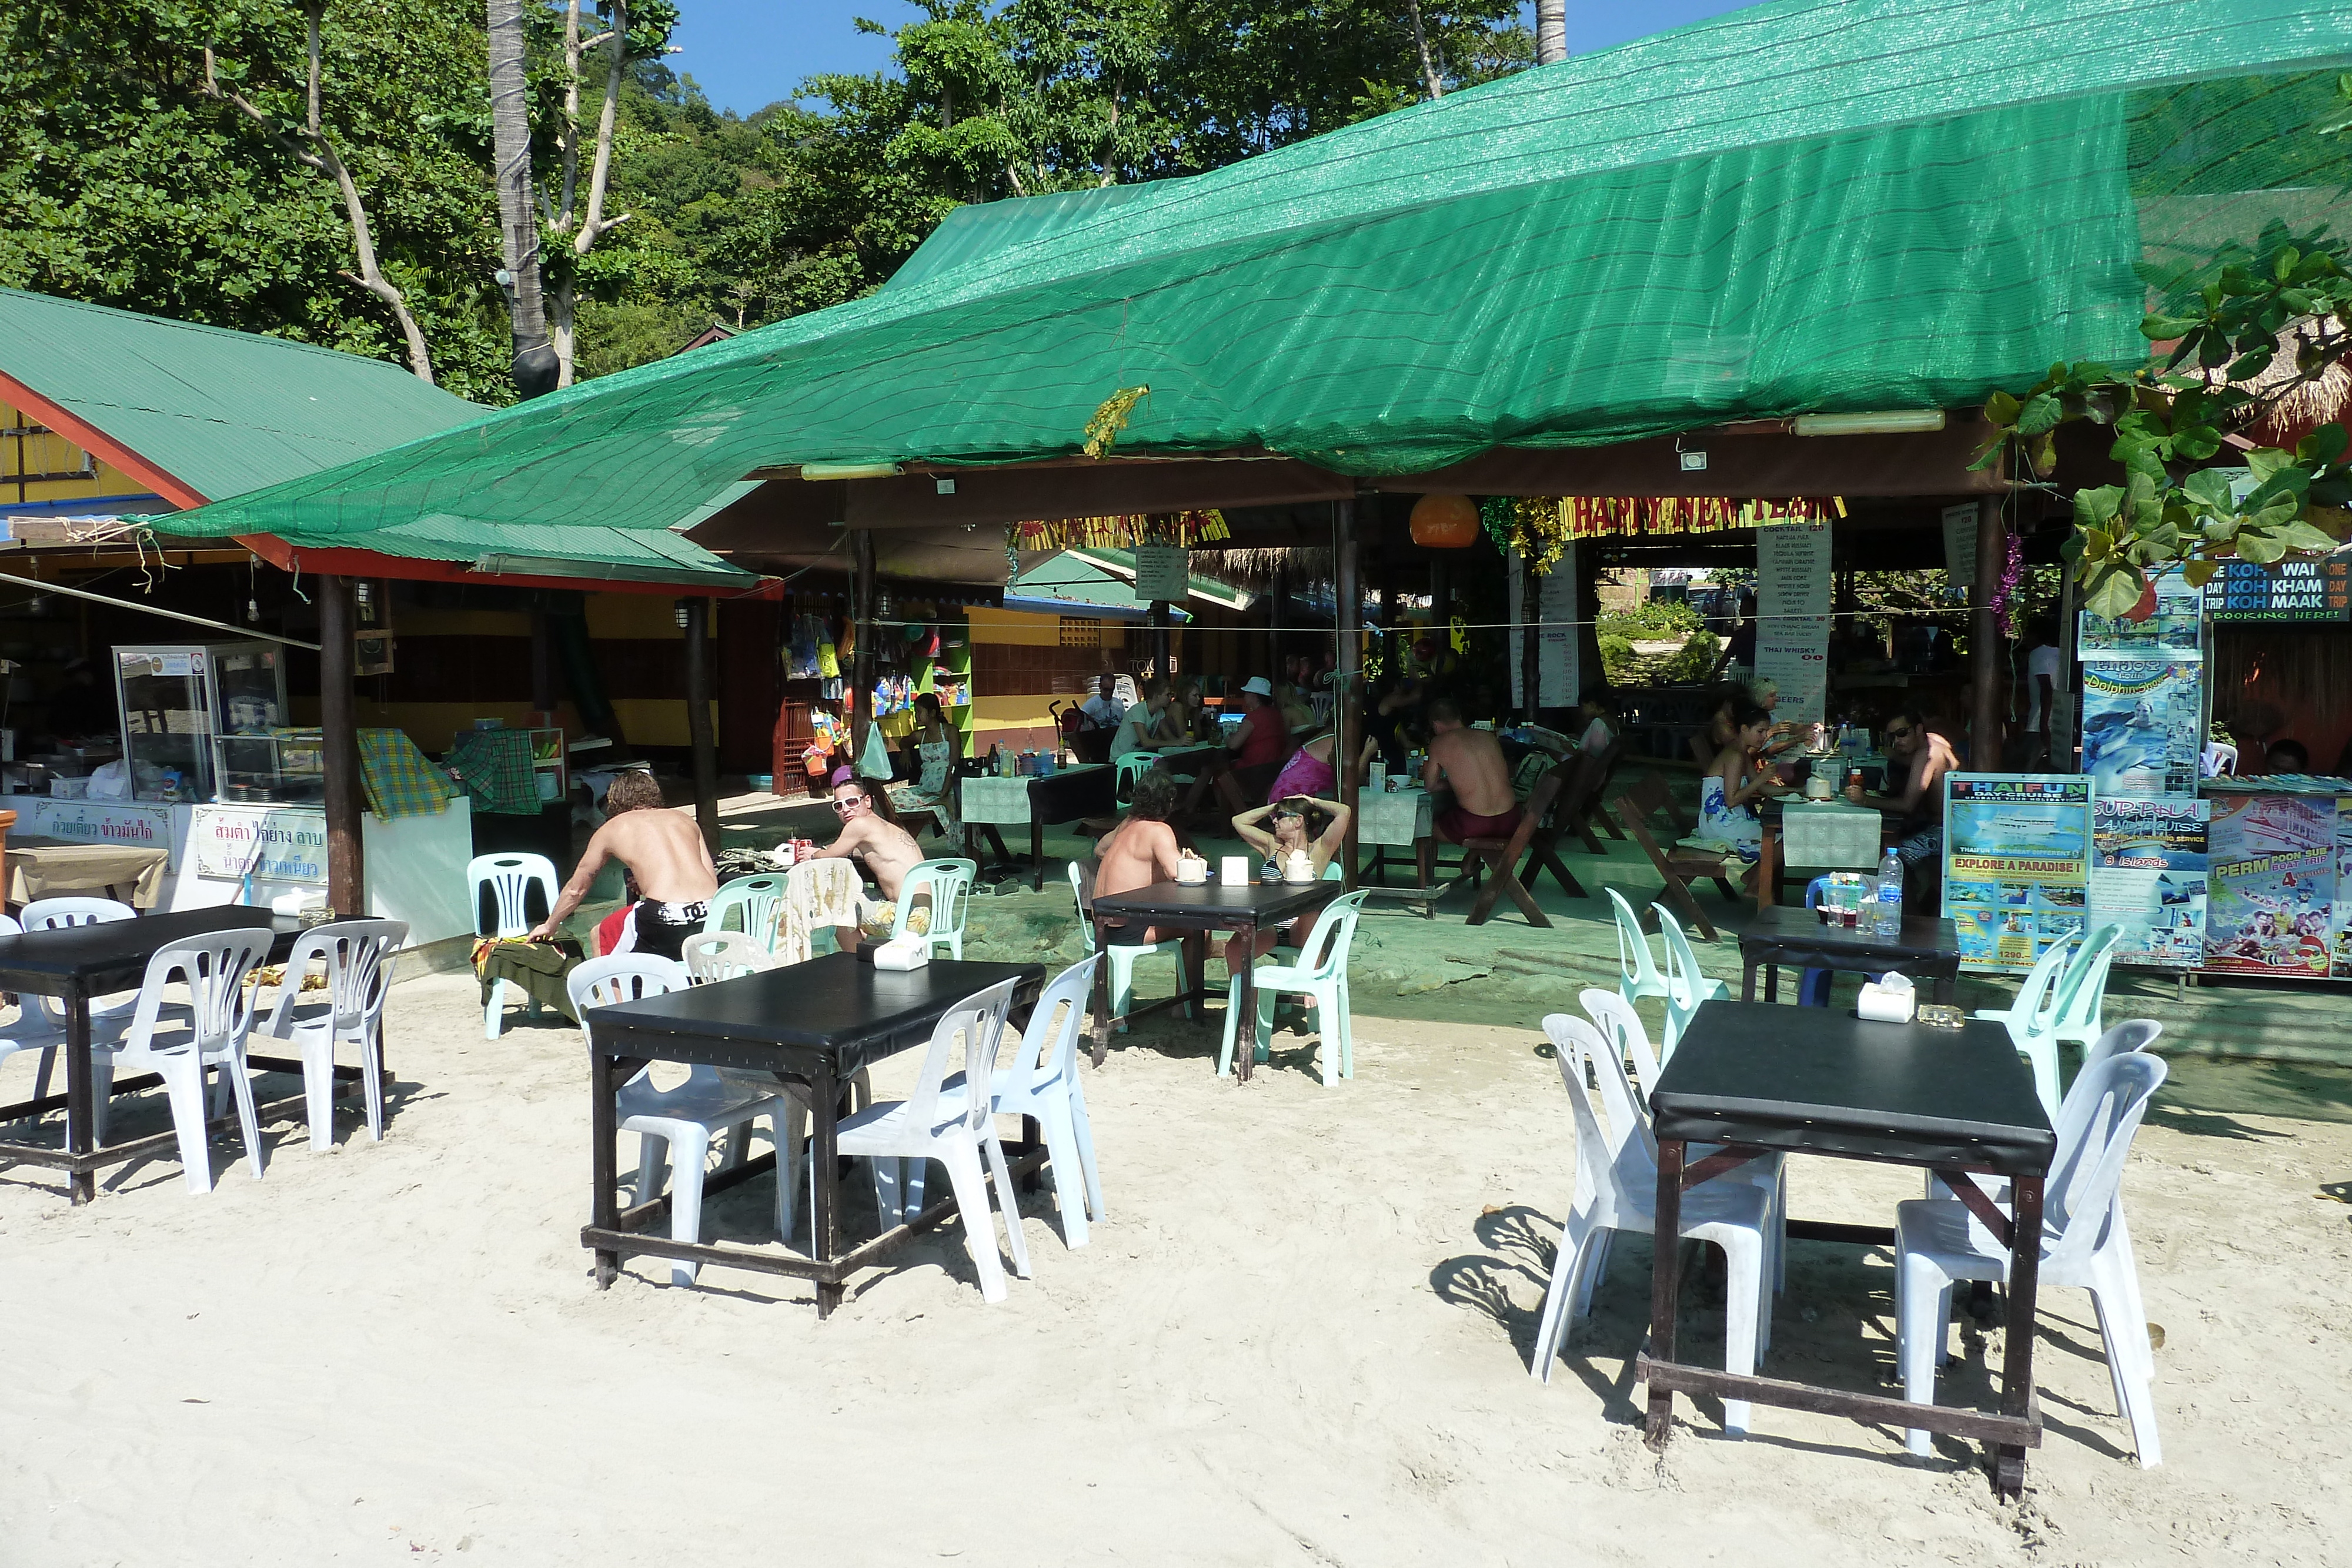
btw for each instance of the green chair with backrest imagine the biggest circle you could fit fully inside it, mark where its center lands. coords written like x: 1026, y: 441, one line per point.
x: 753, y: 900
x: 1320, y: 975
x: 949, y: 884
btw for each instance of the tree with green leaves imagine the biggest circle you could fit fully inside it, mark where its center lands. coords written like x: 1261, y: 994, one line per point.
x: 124, y: 181
x: 2240, y: 333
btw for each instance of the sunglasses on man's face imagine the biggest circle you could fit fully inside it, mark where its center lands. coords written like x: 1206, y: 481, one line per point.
x: 1893, y: 734
x: 843, y: 802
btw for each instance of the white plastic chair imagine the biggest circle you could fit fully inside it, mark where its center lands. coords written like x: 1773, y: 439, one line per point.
x: 1616, y: 1188
x: 509, y: 877
x: 819, y: 894
x: 1321, y: 975
x: 954, y: 1127
x: 106, y: 1014
x: 2085, y: 1246
x: 1043, y: 1082
x: 206, y: 1028
x: 1120, y: 958
x: 688, y: 1117
x: 713, y: 956
x: 1686, y: 985
x: 35, y: 1030
x: 1637, y: 969
x: 357, y: 957
x: 948, y: 882
x: 754, y: 900
x: 1621, y: 1026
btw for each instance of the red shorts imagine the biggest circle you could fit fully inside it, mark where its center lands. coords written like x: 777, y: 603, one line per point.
x: 1453, y: 824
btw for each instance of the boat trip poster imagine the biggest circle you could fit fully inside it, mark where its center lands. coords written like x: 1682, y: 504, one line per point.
x: 2147, y: 878
x: 2016, y: 865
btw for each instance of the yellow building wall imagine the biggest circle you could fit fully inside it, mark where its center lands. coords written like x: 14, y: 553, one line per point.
x: 49, y: 453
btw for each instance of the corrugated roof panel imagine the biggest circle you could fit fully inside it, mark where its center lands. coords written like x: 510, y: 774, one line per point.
x: 222, y: 412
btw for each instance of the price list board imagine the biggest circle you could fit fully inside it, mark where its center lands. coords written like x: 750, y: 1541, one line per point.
x: 2290, y: 591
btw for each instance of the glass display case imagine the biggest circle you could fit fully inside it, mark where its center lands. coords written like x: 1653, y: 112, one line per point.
x: 178, y: 698
x: 288, y: 768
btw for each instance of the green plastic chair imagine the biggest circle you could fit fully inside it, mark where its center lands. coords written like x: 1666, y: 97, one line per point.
x: 950, y: 881
x: 1325, y: 981
x: 1637, y: 969
x: 757, y: 897
x: 1128, y: 769
x: 1686, y: 985
x: 1122, y: 957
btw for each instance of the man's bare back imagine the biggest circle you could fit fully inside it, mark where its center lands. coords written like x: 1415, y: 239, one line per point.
x: 1136, y: 853
x: 1469, y: 762
x: 664, y: 852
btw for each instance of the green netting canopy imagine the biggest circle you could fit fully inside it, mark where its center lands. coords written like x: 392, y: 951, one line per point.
x: 1806, y: 205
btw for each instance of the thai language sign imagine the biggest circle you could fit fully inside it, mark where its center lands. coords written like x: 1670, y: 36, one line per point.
x: 1792, y: 602
x: 2016, y: 865
x: 277, y: 843
x: 102, y: 822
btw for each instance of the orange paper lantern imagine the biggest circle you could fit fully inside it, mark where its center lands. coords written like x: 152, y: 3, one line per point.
x: 1445, y: 522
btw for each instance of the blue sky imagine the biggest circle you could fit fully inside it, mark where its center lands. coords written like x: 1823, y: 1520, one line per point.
x: 748, y: 53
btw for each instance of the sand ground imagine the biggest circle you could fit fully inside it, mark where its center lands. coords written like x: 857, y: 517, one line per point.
x: 1300, y: 1337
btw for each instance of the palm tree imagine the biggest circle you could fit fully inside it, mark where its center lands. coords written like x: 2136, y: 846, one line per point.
x: 1551, y: 32
x: 535, y: 367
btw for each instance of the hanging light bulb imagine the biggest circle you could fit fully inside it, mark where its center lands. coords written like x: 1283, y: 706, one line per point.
x: 252, y: 610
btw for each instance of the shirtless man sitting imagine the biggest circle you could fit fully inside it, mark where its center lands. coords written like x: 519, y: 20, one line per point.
x: 885, y: 850
x: 670, y: 877
x: 1137, y: 853
x: 1925, y: 757
x: 1468, y: 763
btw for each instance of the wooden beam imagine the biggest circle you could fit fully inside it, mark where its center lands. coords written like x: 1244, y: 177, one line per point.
x: 861, y: 663
x: 704, y: 743
x: 339, y: 738
x: 1989, y: 669
x: 1348, y: 697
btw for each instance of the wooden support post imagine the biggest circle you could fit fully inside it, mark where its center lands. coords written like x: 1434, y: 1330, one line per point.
x: 698, y: 730
x: 1277, y: 600
x: 542, y: 664
x: 861, y: 663
x: 1156, y: 619
x: 1987, y: 667
x: 339, y: 735
x: 1348, y: 696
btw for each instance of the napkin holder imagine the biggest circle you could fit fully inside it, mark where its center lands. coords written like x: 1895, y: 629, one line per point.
x: 1233, y: 870
x: 1890, y: 999
x: 903, y: 953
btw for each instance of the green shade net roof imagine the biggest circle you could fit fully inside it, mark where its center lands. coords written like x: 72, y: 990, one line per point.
x: 1811, y: 205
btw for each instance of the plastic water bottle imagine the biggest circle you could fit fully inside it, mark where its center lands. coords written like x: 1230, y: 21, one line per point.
x: 1890, y: 895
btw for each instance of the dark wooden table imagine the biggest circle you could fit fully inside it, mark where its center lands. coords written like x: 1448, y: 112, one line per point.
x: 1066, y: 795
x: 1208, y: 908
x: 75, y: 963
x: 1758, y: 1079
x: 1783, y: 934
x: 812, y: 1024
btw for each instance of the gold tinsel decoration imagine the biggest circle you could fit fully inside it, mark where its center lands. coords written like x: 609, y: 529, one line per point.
x: 1103, y: 429
x: 1541, y: 528
x: 1124, y: 531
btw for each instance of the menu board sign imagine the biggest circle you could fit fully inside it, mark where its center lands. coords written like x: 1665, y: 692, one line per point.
x: 269, y: 843
x: 2318, y: 590
x: 2017, y: 853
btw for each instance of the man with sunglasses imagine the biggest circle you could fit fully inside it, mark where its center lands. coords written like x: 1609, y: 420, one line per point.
x: 1925, y: 757
x: 886, y: 851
